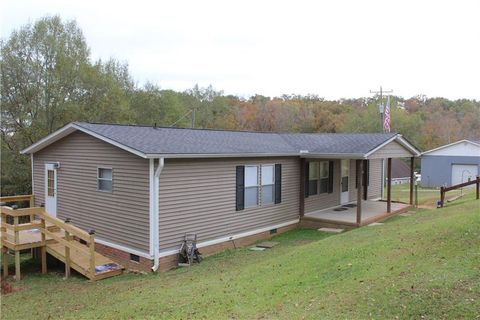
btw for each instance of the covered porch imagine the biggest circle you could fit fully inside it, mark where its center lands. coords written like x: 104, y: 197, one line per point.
x: 360, y: 177
x: 346, y: 215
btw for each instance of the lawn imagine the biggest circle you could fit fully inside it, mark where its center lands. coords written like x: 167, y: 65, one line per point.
x: 424, y: 266
x: 426, y: 196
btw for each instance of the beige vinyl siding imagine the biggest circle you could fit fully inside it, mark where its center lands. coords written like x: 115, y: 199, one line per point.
x: 122, y: 216
x: 326, y: 200
x: 198, y: 196
x: 391, y: 150
x: 375, y: 180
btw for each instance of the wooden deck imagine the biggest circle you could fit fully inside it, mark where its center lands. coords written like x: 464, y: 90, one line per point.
x: 58, y: 238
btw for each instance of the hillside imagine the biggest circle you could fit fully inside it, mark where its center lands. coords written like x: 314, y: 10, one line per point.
x: 423, y: 266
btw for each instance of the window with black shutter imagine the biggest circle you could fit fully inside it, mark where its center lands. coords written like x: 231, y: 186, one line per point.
x: 240, y: 188
x: 278, y: 183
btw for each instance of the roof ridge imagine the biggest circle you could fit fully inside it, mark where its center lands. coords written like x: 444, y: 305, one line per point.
x: 231, y: 130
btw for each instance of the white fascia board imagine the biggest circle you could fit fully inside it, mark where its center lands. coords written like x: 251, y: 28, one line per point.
x: 51, y: 138
x: 408, y: 145
x: 216, y: 155
x: 380, y: 146
x: 449, y: 145
x: 404, y: 143
x: 70, y: 128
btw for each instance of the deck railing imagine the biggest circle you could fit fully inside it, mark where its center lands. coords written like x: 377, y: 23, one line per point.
x: 52, y: 230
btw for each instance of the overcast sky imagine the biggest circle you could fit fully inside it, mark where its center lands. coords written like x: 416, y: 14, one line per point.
x: 334, y: 48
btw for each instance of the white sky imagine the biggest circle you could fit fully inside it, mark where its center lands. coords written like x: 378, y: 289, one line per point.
x: 331, y: 48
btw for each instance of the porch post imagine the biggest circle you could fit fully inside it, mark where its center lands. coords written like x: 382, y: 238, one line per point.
x: 389, y: 185
x: 412, y: 178
x: 359, y: 173
x: 302, y: 186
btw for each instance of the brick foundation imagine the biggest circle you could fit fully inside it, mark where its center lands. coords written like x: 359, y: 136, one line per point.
x: 170, y: 262
x: 123, y: 258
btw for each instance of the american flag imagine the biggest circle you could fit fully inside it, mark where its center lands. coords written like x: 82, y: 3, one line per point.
x: 386, y: 119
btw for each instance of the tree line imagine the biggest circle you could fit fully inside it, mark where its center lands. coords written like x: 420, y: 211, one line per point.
x: 48, y: 79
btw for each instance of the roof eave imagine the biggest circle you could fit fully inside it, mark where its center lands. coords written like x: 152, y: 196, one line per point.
x: 70, y: 128
x: 217, y: 155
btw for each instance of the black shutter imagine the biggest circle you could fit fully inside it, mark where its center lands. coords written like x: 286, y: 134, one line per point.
x: 240, y: 188
x: 307, y: 174
x: 366, y: 170
x: 356, y: 174
x: 330, y: 176
x: 278, y: 183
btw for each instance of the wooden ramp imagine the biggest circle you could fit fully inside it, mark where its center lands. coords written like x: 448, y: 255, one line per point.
x: 62, y: 240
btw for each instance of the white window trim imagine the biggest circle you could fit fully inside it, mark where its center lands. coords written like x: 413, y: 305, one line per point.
x: 260, y: 191
x: 256, y: 186
x: 260, y: 185
x: 98, y: 178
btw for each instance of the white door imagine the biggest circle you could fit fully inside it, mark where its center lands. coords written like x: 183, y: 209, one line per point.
x: 345, y: 172
x: 463, y: 173
x: 51, y: 189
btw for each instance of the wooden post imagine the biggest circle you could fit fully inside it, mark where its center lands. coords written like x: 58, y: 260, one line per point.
x: 442, y: 196
x: 43, y: 248
x: 3, y: 248
x: 478, y: 187
x: 91, y: 246
x: 67, y: 252
x: 302, y: 187
x: 31, y: 201
x: 17, y: 252
x: 5, y: 261
x: 389, y: 185
x: 359, y: 173
x: 412, y: 178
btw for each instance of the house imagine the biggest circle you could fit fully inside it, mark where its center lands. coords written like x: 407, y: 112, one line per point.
x: 451, y: 164
x: 143, y: 187
x: 400, y: 172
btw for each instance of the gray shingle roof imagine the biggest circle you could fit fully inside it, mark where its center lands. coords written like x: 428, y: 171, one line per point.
x: 150, y: 140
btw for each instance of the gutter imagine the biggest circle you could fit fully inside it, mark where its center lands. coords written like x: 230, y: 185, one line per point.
x: 156, y: 215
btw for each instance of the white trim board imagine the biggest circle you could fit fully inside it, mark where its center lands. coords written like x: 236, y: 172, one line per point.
x: 232, y: 237
x: 123, y: 248
x: 438, y: 151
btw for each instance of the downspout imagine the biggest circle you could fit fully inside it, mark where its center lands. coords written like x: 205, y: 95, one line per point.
x: 156, y: 215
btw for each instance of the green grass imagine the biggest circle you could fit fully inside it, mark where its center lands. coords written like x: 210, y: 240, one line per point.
x: 423, y: 266
x: 426, y: 196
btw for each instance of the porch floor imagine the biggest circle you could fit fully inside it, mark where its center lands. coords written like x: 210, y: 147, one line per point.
x: 372, y: 210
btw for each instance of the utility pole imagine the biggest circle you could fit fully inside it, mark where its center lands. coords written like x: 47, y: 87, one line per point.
x: 381, y: 107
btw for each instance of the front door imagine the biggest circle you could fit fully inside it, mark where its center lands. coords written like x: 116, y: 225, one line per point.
x: 51, y: 189
x: 345, y: 172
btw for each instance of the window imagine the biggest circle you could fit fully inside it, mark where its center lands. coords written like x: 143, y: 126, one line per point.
x: 251, y: 186
x: 268, y: 184
x: 324, y: 176
x: 50, y: 183
x: 313, y: 175
x: 105, y: 179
